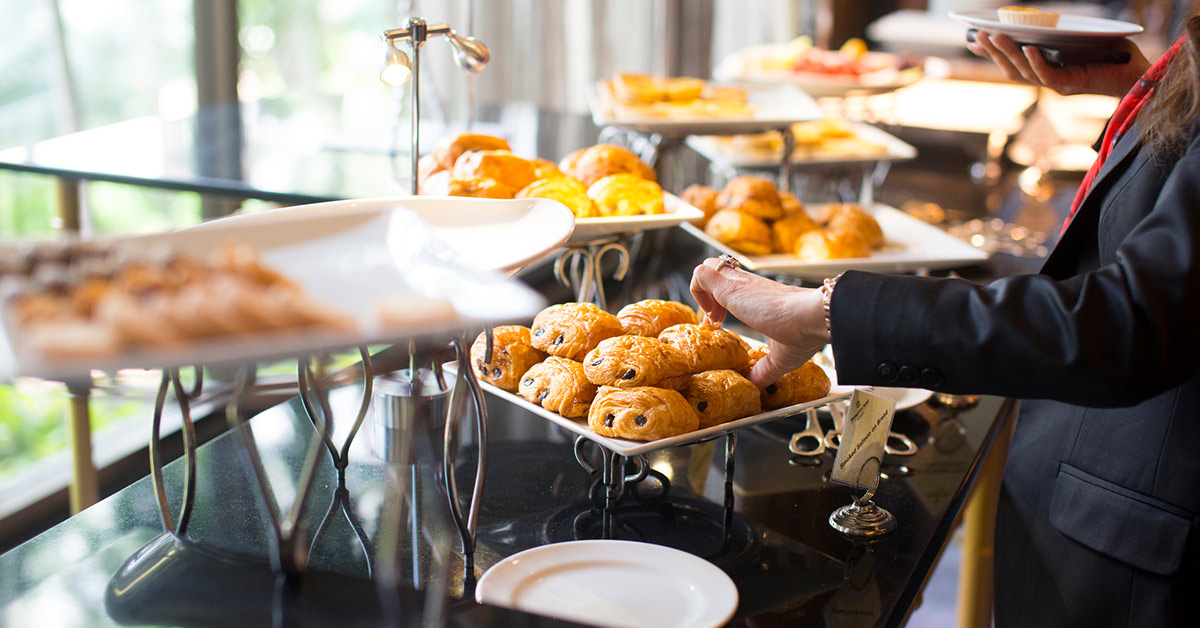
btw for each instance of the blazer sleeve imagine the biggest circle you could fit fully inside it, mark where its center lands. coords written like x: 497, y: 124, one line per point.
x: 1109, y: 337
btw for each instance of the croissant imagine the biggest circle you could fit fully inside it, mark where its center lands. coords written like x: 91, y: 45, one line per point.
x: 854, y: 219
x: 751, y: 195
x: 512, y: 354
x: 807, y: 383
x: 702, y: 198
x: 643, y: 413
x: 649, y: 317
x: 545, y: 169
x: 741, y: 232
x: 503, y: 166
x: 721, y: 396
x: 559, y: 385
x: 479, y: 188
x: 452, y: 147
x: 707, y: 348
x: 823, y: 244
x: 602, y: 160
x: 630, y: 361
x: 566, y: 190
x: 570, y: 330
x: 627, y: 195
x: 786, y: 231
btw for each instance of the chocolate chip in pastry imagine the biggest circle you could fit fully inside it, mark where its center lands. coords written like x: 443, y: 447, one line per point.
x: 721, y: 396
x: 823, y: 244
x: 631, y: 361
x: 741, y: 232
x: 707, y: 348
x: 450, y: 148
x: 786, y: 231
x: 512, y: 354
x: 649, y: 317
x: 570, y: 330
x: 807, y: 383
x: 751, y: 195
x: 627, y: 195
x: 559, y: 385
x: 503, y: 166
x: 602, y: 160
x: 642, y: 414
x: 702, y: 198
x: 566, y: 190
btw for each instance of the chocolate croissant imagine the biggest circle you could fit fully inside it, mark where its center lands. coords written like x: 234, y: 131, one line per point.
x: 570, y: 330
x: 643, y: 413
x: 649, y: 317
x: 559, y: 385
x: 807, y: 383
x: 512, y: 354
x: 707, y: 348
x: 721, y: 396
x: 631, y: 361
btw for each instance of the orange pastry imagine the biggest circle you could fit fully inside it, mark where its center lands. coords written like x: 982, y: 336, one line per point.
x: 822, y: 244
x: 479, y: 188
x: 559, y: 385
x: 707, y: 347
x: 721, y: 396
x: 649, y: 317
x: 452, y: 147
x: 786, y: 231
x: 742, y: 232
x: 848, y: 217
x: 512, y: 354
x: 570, y: 330
x: 791, y: 205
x: 627, y: 195
x: 566, y: 190
x: 630, y: 361
x: 545, y: 169
x: 807, y: 383
x: 643, y: 413
x: 567, y: 164
x: 751, y: 195
x: 503, y: 166
x: 602, y: 160
x: 702, y: 198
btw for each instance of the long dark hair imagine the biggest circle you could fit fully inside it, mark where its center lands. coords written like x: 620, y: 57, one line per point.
x: 1175, y: 106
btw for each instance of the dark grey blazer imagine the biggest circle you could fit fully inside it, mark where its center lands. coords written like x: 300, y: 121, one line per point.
x: 1099, y: 517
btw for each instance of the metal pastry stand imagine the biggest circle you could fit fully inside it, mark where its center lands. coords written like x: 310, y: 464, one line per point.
x: 580, y: 266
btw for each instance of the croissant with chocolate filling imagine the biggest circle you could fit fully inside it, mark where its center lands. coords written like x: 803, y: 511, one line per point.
x: 741, y: 232
x: 559, y: 385
x: 807, y: 383
x: 721, y: 396
x: 570, y: 330
x: 630, y: 361
x: 503, y: 166
x: 643, y: 413
x: 512, y: 355
x: 649, y: 317
x: 751, y: 195
x: 565, y: 190
x: 450, y: 148
x: 707, y: 348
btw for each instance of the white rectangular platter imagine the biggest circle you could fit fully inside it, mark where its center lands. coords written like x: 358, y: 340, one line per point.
x: 911, y: 245
x: 775, y: 107
x: 720, y: 150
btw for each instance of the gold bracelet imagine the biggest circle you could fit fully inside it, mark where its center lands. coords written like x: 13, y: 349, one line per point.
x: 827, y: 296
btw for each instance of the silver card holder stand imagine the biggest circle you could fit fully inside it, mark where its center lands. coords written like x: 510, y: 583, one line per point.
x: 862, y: 519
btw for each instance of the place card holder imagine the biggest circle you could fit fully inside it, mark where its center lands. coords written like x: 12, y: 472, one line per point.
x: 858, y: 464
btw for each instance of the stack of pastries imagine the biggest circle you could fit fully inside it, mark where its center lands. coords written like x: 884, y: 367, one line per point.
x: 642, y: 95
x: 597, y: 181
x: 650, y: 371
x: 752, y: 216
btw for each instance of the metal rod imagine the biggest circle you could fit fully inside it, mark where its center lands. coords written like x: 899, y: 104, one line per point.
x: 415, y: 155
x: 727, y: 519
x: 85, y: 486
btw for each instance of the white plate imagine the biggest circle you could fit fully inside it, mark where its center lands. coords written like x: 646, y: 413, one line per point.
x: 747, y: 65
x: 905, y: 398
x: 623, y: 584
x: 677, y: 211
x: 720, y: 150
x: 500, y: 235
x: 775, y: 107
x: 1072, y: 30
x: 911, y: 245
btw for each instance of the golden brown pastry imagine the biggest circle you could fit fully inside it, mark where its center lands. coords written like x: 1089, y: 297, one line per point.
x: 739, y: 231
x: 721, y: 396
x: 751, y: 195
x: 570, y: 330
x: 452, y: 147
x: 649, y: 317
x: 627, y: 195
x: 545, y: 169
x: 785, y: 232
x: 807, y: 383
x: 823, y: 244
x: 791, y: 205
x: 512, y: 355
x: 602, y: 160
x: 559, y: 385
x: 566, y: 190
x: 644, y: 413
x: 707, y: 348
x: 503, y: 166
x: 567, y: 164
x: 702, y: 198
x: 847, y: 217
x: 631, y: 361
x: 479, y: 188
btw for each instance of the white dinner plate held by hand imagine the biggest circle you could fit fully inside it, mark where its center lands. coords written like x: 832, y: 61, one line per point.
x: 623, y: 584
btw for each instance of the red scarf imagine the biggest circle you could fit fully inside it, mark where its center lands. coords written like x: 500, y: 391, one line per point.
x: 1127, y: 111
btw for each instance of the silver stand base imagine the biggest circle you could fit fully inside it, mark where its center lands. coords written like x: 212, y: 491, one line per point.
x: 863, y: 520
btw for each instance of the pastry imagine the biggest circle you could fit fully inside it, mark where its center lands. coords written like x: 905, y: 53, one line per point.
x: 807, y: 383
x: 427, y: 166
x: 436, y: 184
x: 479, y: 188
x: 501, y: 165
x: 638, y: 88
x: 721, y: 396
x: 739, y: 231
x: 823, y: 244
x: 790, y: 204
x: 707, y: 347
x: 452, y: 147
x: 602, y: 160
x: 567, y: 164
x: 702, y: 198
x: 847, y: 217
x: 627, y: 195
x: 650, y: 316
x: 631, y: 361
x: 512, y: 355
x: 559, y: 385
x: 785, y: 231
x: 566, y: 190
x: 751, y: 195
x: 570, y: 330
x: 545, y: 169
x: 643, y: 413
x: 1027, y: 16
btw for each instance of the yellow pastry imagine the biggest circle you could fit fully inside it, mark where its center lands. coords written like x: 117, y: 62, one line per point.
x: 570, y: 330
x: 823, y: 244
x: 751, y: 195
x: 627, y: 195
x: 742, y: 232
x: 602, y: 160
x: 566, y: 190
x: 452, y: 147
x: 786, y: 231
x: 707, y: 348
x: 847, y: 217
x: 649, y: 317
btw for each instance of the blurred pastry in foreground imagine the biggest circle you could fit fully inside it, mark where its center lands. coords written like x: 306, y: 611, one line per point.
x: 721, y: 396
x: 825, y: 244
x: 790, y: 204
x: 642, y: 414
x: 566, y: 190
x: 786, y: 231
x: 545, y: 169
x: 602, y: 160
x: 751, y: 195
x: 436, y: 184
x: 450, y: 148
x: 702, y: 198
x: 1027, y: 16
x: 848, y: 217
x: 512, y: 354
x: 742, y: 232
x: 479, y: 188
x: 570, y: 330
x: 807, y: 383
x: 649, y: 317
x: 645, y: 88
x: 707, y: 348
x: 503, y: 166
x: 627, y: 195
x: 559, y: 385
x: 630, y: 361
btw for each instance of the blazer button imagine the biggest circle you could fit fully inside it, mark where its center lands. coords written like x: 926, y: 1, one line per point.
x: 930, y: 379
x: 908, y: 375
x: 887, y: 372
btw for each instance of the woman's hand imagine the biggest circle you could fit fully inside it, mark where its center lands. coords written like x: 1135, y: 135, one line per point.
x: 792, y: 318
x: 1025, y: 64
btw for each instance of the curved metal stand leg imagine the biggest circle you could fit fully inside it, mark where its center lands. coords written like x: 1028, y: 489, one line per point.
x: 581, y: 267
x: 170, y: 377
x: 727, y: 519
x: 466, y: 525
